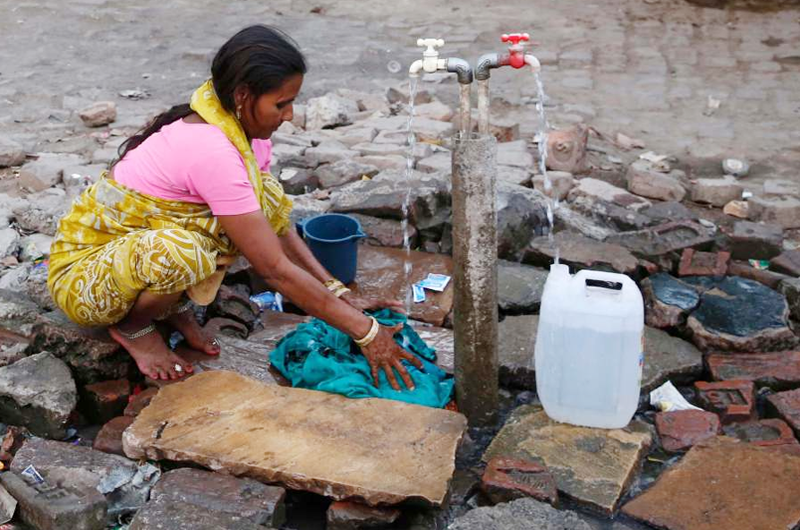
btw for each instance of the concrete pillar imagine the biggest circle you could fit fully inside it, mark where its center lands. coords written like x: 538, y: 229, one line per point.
x: 475, y: 277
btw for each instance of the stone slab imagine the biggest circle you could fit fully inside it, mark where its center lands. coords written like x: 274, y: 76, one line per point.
x: 777, y: 370
x: 591, y: 466
x: 346, y: 515
x: 109, y: 439
x: 580, y: 252
x: 667, y: 300
x: 163, y: 513
x: 727, y: 485
x: 659, y: 242
x: 519, y: 287
x: 307, y: 440
x: 517, y: 338
x: 381, y: 273
x: 787, y: 263
x: 521, y: 514
x: 215, y: 492
x: 668, y: 358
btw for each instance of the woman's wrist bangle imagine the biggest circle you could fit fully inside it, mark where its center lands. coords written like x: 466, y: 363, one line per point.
x: 333, y: 285
x: 371, y: 334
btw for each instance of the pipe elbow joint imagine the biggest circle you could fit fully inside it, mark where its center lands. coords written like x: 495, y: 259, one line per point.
x: 485, y: 64
x: 461, y: 68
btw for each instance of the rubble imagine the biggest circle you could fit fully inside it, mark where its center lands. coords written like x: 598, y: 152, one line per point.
x: 776, y: 370
x: 11, y: 153
x: 682, y: 429
x: 38, y: 392
x: 580, y: 252
x: 786, y: 405
x: 109, y: 438
x: 783, y: 211
x: 346, y: 515
x: 731, y: 400
x: 99, y: 114
x: 644, y: 181
x: 561, y: 184
x: 756, y: 240
x: 601, y: 190
x: 520, y: 514
x: 329, y: 111
x: 567, y: 149
x: 716, y: 192
x: 46, y: 170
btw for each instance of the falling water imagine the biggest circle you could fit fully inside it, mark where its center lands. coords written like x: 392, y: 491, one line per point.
x: 412, y: 140
x: 552, y: 203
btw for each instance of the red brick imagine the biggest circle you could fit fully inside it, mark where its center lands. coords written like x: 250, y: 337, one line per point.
x: 682, y: 429
x: 786, y: 405
x: 777, y: 370
x: 109, y: 439
x: 347, y: 515
x: 765, y: 433
x: 694, y: 263
x: 732, y: 400
x: 139, y: 401
x: 506, y: 479
x: 105, y: 400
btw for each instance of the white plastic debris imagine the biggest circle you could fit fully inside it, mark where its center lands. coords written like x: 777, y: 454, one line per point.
x: 666, y: 398
x: 747, y: 194
x: 711, y: 106
x: 735, y: 167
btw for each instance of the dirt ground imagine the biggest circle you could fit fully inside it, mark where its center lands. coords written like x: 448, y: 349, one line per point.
x: 646, y: 68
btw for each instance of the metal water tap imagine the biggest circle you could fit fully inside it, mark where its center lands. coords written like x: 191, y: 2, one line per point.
x: 515, y: 57
x: 431, y: 63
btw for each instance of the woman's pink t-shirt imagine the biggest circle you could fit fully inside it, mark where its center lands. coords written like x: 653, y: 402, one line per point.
x: 193, y: 162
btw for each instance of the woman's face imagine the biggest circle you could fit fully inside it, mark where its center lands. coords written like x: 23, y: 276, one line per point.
x: 263, y: 115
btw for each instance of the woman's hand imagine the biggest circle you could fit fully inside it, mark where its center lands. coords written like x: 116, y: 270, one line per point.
x: 383, y: 353
x: 366, y: 303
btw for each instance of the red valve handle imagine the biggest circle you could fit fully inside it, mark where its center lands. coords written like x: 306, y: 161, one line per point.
x: 515, y: 38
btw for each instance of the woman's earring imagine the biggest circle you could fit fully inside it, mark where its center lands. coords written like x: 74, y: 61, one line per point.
x: 239, y: 112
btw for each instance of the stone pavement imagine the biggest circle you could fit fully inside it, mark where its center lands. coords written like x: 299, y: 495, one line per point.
x: 647, y: 69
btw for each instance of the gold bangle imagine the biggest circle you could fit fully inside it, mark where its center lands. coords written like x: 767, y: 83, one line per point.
x: 371, y: 334
x: 341, y: 291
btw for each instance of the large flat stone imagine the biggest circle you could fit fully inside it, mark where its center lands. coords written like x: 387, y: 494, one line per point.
x: 741, y: 315
x: 307, y: 440
x: 519, y: 287
x: 591, y: 466
x: 381, y: 273
x: 580, y: 252
x: 517, y: 337
x: 663, y: 244
x: 777, y: 370
x: 215, y: 492
x: 728, y: 485
x: 244, y: 357
x: 521, y: 514
x: 668, y: 358
x: 163, y: 513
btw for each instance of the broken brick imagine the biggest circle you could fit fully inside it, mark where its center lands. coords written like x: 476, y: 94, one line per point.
x: 732, y: 400
x: 765, y: 433
x: 786, y: 406
x: 681, y: 429
x: 109, y: 439
x: 139, y: 401
x: 506, y: 479
x: 694, y: 263
x: 347, y: 515
x: 777, y: 370
x: 105, y: 400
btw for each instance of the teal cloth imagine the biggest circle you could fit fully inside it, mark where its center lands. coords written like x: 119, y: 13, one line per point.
x: 317, y: 356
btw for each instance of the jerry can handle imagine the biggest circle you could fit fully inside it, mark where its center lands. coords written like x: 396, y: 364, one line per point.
x: 604, y: 284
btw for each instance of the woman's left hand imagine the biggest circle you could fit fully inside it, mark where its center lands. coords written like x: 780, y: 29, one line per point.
x: 364, y: 303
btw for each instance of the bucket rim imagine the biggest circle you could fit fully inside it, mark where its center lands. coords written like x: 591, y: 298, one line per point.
x: 359, y: 233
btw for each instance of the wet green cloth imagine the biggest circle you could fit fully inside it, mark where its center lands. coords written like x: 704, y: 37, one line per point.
x: 320, y: 357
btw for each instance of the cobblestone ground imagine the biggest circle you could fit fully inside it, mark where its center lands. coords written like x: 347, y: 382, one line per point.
x: 645, y: 68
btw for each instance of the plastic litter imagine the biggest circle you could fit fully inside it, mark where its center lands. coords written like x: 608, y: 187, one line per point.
x: 268, y: 301
x: 435, y: 282
x: 419, y: 293
x: 32, y: 475
x: 760, y: 264
x: 666, y: 398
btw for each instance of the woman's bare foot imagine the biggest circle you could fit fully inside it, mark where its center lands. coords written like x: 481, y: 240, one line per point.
x: 196, y: 336
x: 152, y: 355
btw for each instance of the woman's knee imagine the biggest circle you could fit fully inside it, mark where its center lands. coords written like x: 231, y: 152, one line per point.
x: 169, y: 260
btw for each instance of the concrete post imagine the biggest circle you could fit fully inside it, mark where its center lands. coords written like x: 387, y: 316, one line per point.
x: 475, y: 277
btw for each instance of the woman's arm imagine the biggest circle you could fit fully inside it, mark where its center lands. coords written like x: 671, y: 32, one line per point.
x: 254, y: 236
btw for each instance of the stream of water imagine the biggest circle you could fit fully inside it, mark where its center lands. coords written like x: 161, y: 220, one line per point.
x: 541, y: 138
x: 412, y: 140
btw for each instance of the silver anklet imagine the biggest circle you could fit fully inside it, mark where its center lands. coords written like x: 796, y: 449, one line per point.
x: 186, y: 306
x: 138, y: 334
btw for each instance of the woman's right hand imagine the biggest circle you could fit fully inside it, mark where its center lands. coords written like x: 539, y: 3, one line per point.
x: 385, y: 354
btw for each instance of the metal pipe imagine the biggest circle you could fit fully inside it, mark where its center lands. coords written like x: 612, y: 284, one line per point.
x: 483, y: 106
x: 465, y: 110
x: 475, y: 277
x: 486, y: 63
x: 461, y: 68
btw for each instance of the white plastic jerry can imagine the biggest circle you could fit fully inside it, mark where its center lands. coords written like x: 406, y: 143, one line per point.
x: 589, y: 348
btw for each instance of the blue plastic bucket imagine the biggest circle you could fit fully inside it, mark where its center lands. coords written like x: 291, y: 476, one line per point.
x: 333, y: 239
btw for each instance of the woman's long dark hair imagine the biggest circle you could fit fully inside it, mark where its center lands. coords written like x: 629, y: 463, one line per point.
x: 259, y: 57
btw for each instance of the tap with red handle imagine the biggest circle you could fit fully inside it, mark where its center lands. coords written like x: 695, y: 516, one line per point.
x: 516, y: 51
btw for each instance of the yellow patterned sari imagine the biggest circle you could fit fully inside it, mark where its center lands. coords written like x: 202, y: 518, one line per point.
x: 116, y: 242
